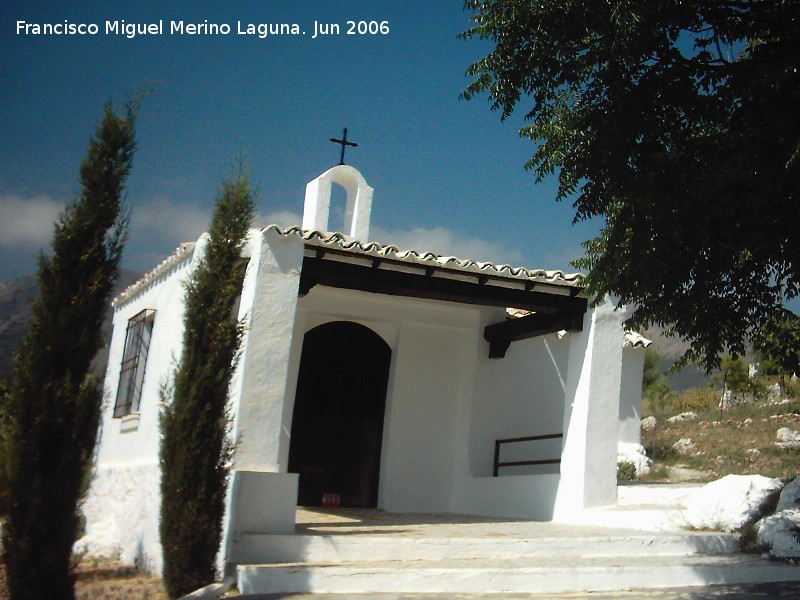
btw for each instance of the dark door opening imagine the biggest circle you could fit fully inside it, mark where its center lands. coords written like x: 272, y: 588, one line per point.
x: 337, y: 425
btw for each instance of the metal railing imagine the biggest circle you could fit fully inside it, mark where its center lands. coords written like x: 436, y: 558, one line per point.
x: 519, y: 463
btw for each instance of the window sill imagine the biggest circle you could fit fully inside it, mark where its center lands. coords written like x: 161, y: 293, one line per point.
x: 129, y: 423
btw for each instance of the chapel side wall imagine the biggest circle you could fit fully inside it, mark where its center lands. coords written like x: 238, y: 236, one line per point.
x: 519, y: 395
x: 630, y: 396
x: 123, y: 504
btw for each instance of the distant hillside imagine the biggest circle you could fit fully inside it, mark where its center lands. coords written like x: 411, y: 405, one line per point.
x: 673, y: 348
x: 16, y: 296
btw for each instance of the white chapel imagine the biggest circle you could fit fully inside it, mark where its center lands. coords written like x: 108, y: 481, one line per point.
x: 373, y: 377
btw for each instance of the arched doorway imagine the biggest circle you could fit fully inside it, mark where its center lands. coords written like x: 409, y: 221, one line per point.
x: 337, y: 426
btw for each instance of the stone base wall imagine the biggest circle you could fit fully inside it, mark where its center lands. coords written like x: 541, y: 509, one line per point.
x: 121, y: 513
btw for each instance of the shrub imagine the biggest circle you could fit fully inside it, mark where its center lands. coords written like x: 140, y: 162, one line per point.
x: 195, y: 447
x: 626, y: 471
x: 53, y: 403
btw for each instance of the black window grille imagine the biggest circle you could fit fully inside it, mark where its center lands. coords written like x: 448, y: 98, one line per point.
x: 134, y: 360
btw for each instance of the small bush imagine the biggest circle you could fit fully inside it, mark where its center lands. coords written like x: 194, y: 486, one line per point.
x: 699, y: 400
x: 626, y: 471
x: 661, y: 453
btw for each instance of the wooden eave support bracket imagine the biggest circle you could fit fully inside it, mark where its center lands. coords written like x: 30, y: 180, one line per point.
x: 500, y: 335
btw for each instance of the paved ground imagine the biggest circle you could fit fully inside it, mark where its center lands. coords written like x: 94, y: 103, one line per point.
x: 715, y: 592
x: 354, y: 521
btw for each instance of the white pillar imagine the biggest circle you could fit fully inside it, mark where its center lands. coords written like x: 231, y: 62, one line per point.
x: 591, y: 413
x: 267, y: 354
x: 262, y: 496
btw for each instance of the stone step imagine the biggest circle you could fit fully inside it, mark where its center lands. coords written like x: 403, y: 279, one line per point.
x: 254, y: 548
x: 515, y: 575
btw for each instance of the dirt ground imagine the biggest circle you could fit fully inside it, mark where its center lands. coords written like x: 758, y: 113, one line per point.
x: 107, y: 579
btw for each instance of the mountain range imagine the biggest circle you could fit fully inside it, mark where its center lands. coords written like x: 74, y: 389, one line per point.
x: 16, y: 296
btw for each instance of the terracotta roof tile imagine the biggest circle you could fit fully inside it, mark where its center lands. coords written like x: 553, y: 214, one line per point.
x: 181, y: 253
x: 348, y: 245
x: 636, y: 340
x: 342, y: 242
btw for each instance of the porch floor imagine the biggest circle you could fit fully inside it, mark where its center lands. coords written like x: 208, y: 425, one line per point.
x: 355, y: 553
x: 351, y: 521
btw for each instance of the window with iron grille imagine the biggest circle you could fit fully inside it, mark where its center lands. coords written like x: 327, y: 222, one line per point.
x: 134, y: 360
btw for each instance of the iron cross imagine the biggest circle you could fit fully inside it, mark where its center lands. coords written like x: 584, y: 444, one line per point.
x: 344, y: 144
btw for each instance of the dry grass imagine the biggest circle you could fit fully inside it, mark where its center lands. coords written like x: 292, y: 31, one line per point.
x: 740, y: 441
x: 108, y: 579
x: 104, y: 578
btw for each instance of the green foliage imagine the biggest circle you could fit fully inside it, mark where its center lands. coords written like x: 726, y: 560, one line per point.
x: 676, y: 123
x: 658, y: 399
x: 196, y: 449
x: 626, y: 471
x: 4, y: 447
x: 53, y: 403
x: 651, y: 371
x: 733, y: 374
x: 779, y: 343
x: 656, y: 391
x: 697, y: 400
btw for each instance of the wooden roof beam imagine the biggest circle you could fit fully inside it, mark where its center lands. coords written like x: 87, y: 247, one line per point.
x: 500, y: 335
x: 423, y: 285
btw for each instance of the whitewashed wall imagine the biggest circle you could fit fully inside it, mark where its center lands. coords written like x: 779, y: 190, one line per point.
x: 520, y: 395
x: 429, y: 376
x: 630, y: 396
x: 124, y: 500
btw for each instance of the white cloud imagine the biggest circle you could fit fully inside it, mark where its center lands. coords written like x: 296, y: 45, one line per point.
x: 283, y: 218
x: 163, y: 218
x: 447, y: 242
x: 27, y: 221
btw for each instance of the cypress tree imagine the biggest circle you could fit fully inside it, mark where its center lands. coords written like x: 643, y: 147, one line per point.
x: 195, y: 447
x: 53, y: 401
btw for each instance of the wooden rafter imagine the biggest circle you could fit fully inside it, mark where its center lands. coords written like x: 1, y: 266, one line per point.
x: 379, y: 278
x: 500, y: 335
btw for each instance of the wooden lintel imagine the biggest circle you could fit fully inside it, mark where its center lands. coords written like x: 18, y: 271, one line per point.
x: 346, y: 275
x: 498, y: 349
x: 513, y: 330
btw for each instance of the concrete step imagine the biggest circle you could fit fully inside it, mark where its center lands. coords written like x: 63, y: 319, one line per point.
x: 514, y: 575
x: 255, y: 548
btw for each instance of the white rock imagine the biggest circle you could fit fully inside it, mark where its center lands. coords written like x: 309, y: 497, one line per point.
x: 778, y: 533
x: 635, y: 453
x: 101, y: 539
x: 649, y: 423
x: 684, y: 446
x: 684, y: 416
x: 729, y: 503
x: 790, y: 496
x: 788, y: 435
x: 788, y: 439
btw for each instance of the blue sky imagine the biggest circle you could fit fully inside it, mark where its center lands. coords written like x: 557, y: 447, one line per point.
x: 448, y: 175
